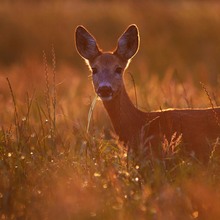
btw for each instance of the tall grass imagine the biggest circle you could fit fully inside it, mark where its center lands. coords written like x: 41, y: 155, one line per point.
x: 88, y: 174
x: 52, y: 164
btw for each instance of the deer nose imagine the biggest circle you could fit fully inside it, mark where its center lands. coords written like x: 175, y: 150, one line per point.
x: 105, y: 91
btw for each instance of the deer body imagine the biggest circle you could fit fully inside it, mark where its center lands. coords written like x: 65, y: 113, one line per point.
x: 129, y: 123
x: 199, y: 128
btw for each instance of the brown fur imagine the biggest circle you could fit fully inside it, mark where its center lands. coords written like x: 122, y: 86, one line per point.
x: 199, y: 128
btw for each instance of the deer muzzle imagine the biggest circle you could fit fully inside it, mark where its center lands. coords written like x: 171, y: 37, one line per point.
x: 105, y: 92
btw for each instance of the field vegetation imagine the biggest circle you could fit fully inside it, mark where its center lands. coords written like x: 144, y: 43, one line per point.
x: 56, y: 165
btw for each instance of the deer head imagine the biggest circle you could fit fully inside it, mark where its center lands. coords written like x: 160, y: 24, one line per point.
x: 107, y: 67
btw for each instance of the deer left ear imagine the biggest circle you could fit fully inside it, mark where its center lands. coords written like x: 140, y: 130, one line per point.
x: 128, y: 43
x: 86, y: 44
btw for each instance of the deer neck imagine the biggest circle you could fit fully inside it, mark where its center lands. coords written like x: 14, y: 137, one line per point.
x: 127, y: 120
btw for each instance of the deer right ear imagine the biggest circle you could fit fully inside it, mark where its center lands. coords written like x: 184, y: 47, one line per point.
x: 128, y: 43
x: 86, y: 44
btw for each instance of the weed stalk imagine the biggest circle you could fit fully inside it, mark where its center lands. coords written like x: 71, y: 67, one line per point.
x: 54, y: 101
x: 211, y: 103
x: 16, y: 120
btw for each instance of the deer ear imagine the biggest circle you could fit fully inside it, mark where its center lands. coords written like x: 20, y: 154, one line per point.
x: 86, y: 44
x: 128, y: 43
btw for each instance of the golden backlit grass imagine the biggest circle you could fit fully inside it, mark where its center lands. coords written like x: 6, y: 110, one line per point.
x: 51, y: 167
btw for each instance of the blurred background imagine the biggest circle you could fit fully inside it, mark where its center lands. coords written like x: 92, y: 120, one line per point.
x: 179, y: 39
x: 174, y: 34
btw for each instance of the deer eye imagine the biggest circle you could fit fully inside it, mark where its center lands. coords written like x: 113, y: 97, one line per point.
x: 94, y: 70
x: 119, y: 70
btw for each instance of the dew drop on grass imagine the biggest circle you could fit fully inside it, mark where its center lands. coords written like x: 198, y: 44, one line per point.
x: 137, y: 167
x: 9, y: 154
x: 127, y: 174
x: 33, y: 135
x: 105, y: 186
x: 97, y: 174
x: 136, y: 179
x: 22, y: 157
x: 125, y: 196
x: 195, y: 214
x: 131, y: 192
x: 85, y: 184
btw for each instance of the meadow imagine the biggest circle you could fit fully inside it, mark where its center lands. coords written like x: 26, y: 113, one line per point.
x: 54, y: 164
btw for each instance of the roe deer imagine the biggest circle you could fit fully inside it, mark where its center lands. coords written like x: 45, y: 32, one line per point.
x: 199, y: 127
